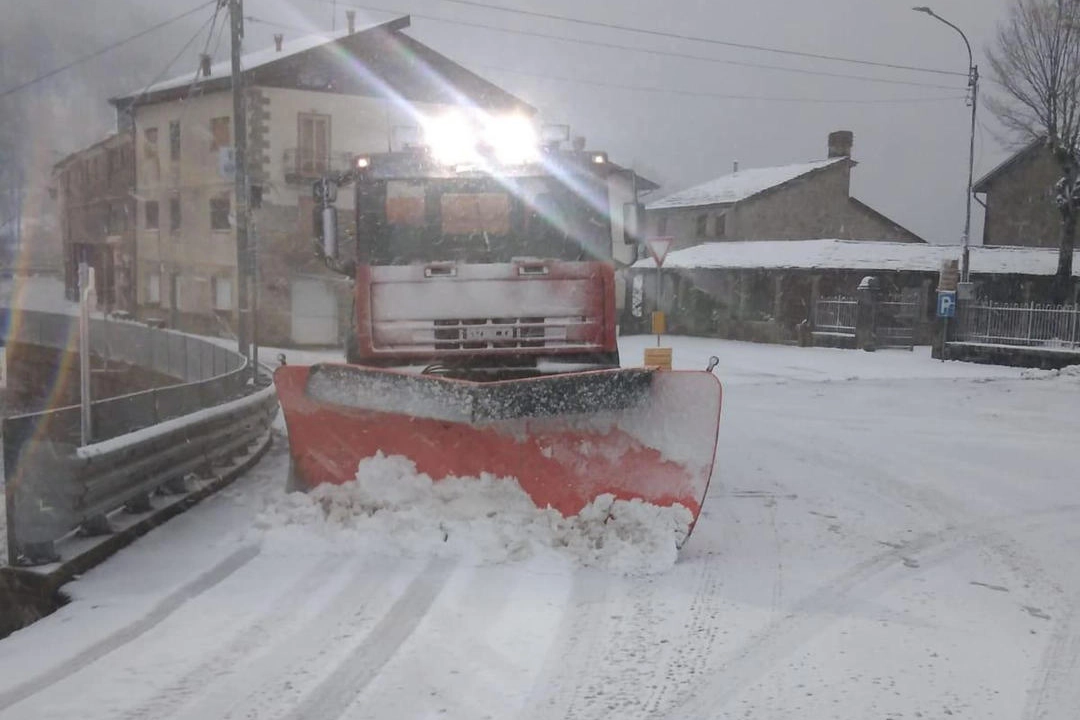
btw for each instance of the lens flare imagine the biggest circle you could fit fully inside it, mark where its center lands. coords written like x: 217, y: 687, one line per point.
x: 513, y: 139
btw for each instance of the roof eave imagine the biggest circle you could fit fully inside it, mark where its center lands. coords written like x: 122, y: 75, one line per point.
x: 223, y: 82
x: 759, y: 193
x: 983, y: 183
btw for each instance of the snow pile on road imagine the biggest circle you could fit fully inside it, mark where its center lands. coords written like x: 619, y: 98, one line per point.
x: 1068, y: 372
x: 392, y: 509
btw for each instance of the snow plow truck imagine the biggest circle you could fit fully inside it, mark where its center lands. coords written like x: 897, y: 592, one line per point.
x: 483, y: 335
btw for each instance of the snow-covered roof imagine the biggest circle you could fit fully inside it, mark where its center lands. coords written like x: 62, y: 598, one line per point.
x: 856, y: 255
x: 258, y: 58
x: 739, y: 185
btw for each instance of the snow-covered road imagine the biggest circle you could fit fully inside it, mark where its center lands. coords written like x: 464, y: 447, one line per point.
x: 887, y: 536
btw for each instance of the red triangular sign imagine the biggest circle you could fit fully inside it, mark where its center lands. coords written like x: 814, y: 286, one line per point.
x: 658, y: 248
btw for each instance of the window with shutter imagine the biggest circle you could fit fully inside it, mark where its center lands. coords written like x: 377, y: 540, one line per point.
x: 220, y: 133
x: 222, y: 290
x: 313, y: 144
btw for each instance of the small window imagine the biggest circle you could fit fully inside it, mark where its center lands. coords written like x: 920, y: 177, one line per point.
x: 719, y: 225
x: 176, y: 292
x: 153, y: 288
x: 221, y: 288
x: 150, y: 144
x: 117, y: 218
x: 150, y: 215
x: 219, y: 213
x: 702, y: 225
x: 174, y: 213
x: 220, y: 133
x: 174, y: 140
x: 661, y: 226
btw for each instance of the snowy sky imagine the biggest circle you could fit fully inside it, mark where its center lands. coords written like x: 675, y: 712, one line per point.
x: 913, y: 155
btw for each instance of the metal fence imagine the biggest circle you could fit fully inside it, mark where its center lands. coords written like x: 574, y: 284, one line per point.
x: 835, y: 315
x: 210, y: 373
x: 1026, y: 325
x: 143, y: 442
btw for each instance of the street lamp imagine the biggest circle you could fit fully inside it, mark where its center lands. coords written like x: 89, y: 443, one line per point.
x: 973, y: 83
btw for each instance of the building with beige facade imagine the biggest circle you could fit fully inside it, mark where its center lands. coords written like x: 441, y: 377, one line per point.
x: 313, y: 105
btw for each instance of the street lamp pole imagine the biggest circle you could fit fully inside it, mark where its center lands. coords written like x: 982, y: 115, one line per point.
x: 973, y: 83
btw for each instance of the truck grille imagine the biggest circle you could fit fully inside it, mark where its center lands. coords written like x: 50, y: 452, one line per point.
x: 485, y: 334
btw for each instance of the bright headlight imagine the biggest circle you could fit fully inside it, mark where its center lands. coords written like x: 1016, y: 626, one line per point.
x: 455, y: 139
x: 451, y: 139
x: 513, y: 139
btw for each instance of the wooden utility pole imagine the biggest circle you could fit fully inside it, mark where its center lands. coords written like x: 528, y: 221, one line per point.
x: 240, y: 184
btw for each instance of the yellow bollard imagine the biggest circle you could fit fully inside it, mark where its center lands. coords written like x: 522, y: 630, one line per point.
x: 658, y: 357
x: 659, y: 322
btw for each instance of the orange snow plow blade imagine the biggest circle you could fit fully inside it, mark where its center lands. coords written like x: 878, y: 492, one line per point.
x: 633, y: 433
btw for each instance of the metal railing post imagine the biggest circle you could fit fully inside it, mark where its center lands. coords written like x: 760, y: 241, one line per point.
x: 1075, y: 314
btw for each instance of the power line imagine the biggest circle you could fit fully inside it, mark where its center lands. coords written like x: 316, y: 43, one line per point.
x: 694, y: 38
x: 675, y: 91
x: 630, y: 48
x: 722, y: 96
x: 165, y: 70
x: 102, y: 51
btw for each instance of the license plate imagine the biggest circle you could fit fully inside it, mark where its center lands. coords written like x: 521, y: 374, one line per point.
x: 482, y: 333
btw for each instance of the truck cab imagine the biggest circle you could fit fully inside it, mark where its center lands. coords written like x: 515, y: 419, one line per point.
x: 481, y: 267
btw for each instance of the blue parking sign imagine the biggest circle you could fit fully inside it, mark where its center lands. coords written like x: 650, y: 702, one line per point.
x: 946, y: 304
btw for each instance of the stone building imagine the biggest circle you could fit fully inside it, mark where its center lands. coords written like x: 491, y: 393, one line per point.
x: 314, y: 103
x: 793, y: 202
x: 97, y: 218
x: 1019, y: 203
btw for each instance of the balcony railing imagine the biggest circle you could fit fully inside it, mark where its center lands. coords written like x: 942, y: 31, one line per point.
x: 303, y: 165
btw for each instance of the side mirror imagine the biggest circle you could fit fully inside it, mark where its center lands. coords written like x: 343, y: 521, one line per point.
x: 324, y: 222
x: 633, y: 222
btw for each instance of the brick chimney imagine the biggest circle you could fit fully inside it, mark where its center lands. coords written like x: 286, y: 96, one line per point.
x: 204, y: 65
x: 350, y: 18
x: 278, y: 39
x: 840, y: 143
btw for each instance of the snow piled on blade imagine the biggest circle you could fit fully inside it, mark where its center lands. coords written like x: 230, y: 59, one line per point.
x: 392, y: 509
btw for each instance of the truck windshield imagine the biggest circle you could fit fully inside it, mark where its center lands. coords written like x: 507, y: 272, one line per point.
x: 470, y: 220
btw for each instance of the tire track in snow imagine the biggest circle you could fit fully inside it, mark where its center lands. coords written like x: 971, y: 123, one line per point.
x: 685, y: 664
x: 289, y: 612
x: 618, y: 659
x: 161, y: 611
x: 274, y: 681
x: 573, y: 656
x: 1056, y: 675
x: 819, y: 609
x: 332, y: 697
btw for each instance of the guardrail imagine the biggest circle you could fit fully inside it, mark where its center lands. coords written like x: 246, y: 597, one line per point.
x: 143, y: 442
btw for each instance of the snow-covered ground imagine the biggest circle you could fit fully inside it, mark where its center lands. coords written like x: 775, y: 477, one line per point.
x: 887, y: 536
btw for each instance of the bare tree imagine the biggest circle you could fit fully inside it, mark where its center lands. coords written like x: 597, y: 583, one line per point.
x: 1036, y: 62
